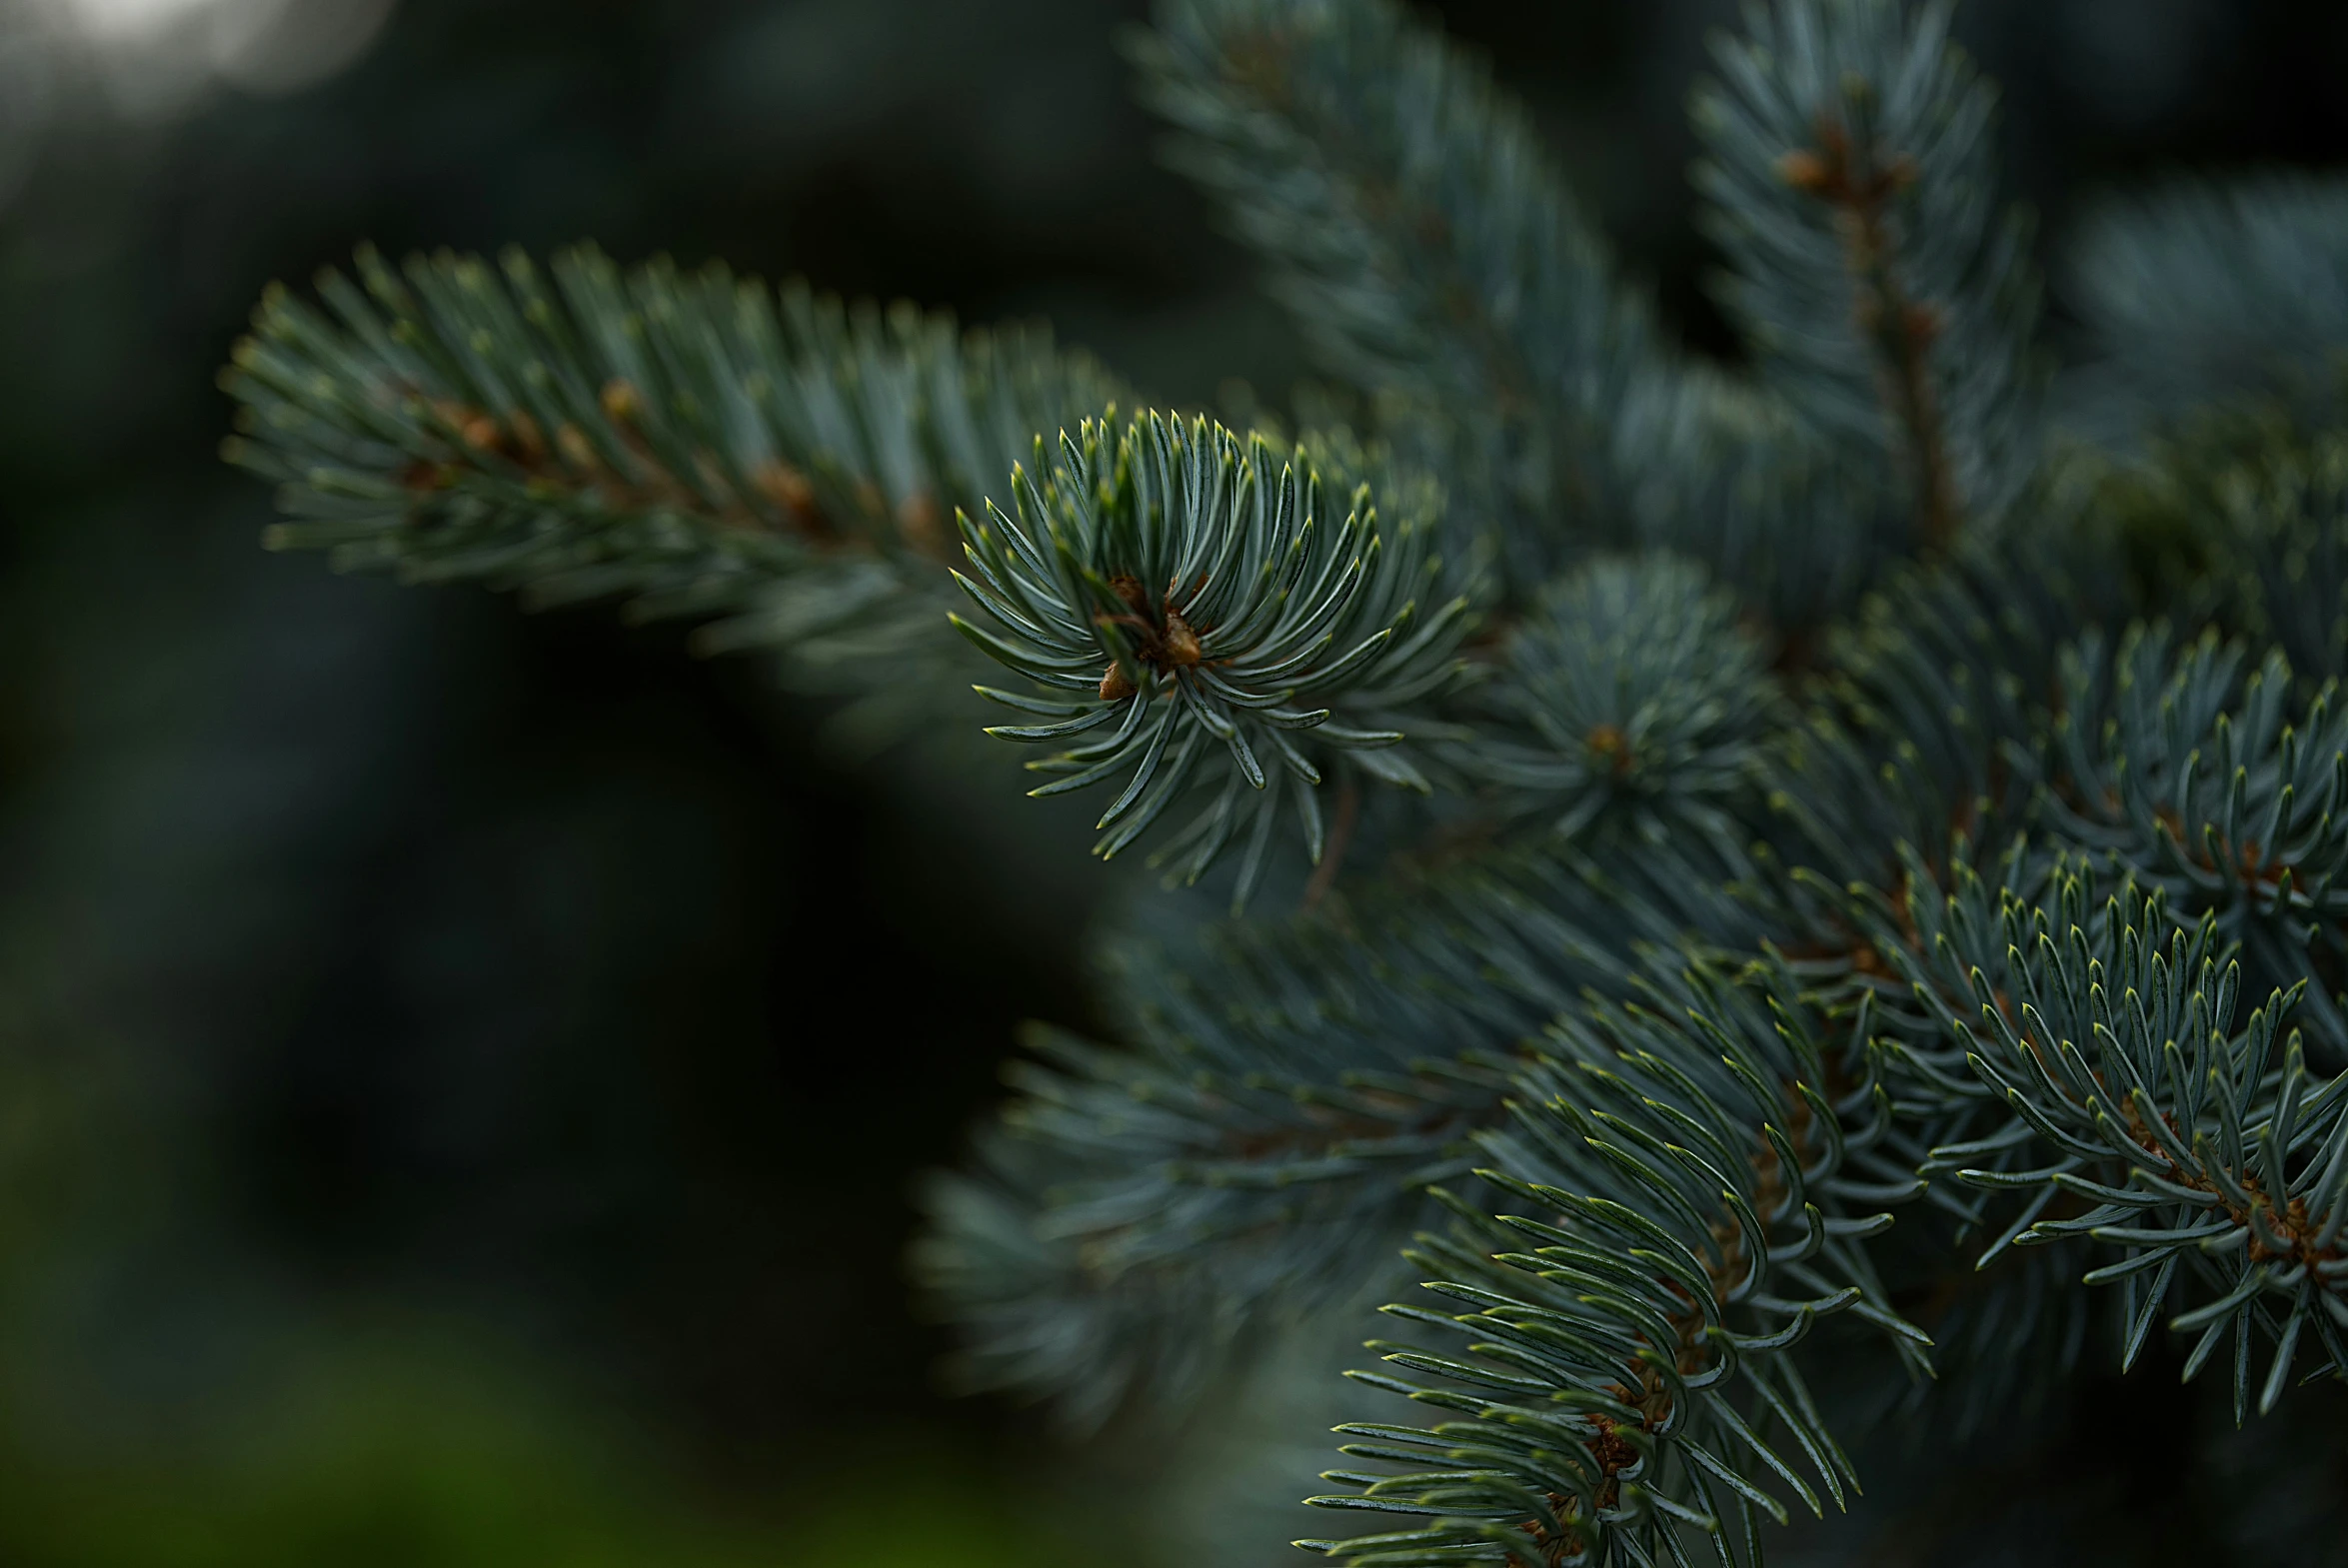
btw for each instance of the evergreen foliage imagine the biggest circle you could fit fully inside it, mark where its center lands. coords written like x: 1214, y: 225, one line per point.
x: 1868, y: 869
x: 1630, y: 699
x: 1185, y: 597
x: 774, y: 463
x: 2205, y: 292
x: 1413, y: 223
x: 1887, y: 297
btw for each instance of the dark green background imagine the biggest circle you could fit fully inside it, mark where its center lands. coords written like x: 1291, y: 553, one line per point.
x: 460, y: 1072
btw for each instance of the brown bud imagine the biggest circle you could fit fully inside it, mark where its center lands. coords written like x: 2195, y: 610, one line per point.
x: 527, y: 435
x: 1182, y: 644
x: 1129, y: 588
x: 1806, y: 171
x: 918, y: 521
x: 1115, y: 687
x: 785, y: 486
x: 481, y: 434
x: 1611, y: 743
x: 621, y: 400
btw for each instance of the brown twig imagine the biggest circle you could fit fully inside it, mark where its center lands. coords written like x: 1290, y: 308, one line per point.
x: 1850, y: 173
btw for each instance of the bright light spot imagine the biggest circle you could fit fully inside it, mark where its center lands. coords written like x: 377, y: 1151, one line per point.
x: 279, y: 46
x: 115, y: 21
x: 161, y: 50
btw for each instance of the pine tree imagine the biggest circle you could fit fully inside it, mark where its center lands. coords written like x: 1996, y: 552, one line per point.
x: 1790, y: 893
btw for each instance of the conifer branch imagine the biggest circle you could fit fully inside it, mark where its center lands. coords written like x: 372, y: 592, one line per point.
x: 2103, y: 1038
x: 776, y: 465
x: 1850, y: 174
x: 1844, y: 170
x: 1287, y: 1091
x: 1199, y: 605
x: 1929, y: 706
x: 1629, y: 1350
x: 1630, y: 701
x: 2203, y: 295
x: 1426, y: 242
x: 2285, y: 513
x: 1810, y: 815
x: 2222, y: 790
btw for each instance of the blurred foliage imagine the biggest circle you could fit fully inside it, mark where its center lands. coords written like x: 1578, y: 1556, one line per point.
x: 367, y: 1462
x: 382, y: 1453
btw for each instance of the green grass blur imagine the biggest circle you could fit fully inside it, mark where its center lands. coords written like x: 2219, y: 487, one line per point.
x: 392, y: 1455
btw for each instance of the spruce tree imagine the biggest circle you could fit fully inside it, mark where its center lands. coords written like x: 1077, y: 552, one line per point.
x: 1790, y: 895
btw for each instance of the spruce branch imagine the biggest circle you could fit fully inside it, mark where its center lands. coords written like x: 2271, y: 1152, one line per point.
x: 1196, y: 602
x: 1426, y: 244
x: 1287, y: 1092
x: 1850, y: 175
x: 2286, y: 543
x: 1433, y: 256
x: 2205, y: 293
x: 1732, y: 476
x: 1038, y: 1317
x: 1629, y: 1364
x: 2218, y: 787
x: 2205, y: 784
x: 1930, y: 704
x: 771, y: 463
x: 1844, y: 173
x: 2103, y: 1034
x: 1630, y: 701
x: 1788, y: 830
x: 2238, y: 513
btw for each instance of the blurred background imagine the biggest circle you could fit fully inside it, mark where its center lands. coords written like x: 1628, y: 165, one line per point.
x: 461, y: 1072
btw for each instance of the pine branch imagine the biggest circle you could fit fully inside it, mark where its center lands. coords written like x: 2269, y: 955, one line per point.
x: 1629, y: 1354
x: 2205, y: 293
x: 2219, y: 789
x: 1631, y: 702
x: 776, y: 465
x: 1290, y: 1091
x: 1200, y: 602
x: 1761, y: 882
x: 1420, y: 232
x: 1850, y: 168
x: 2239, y: 516
x: 2103, y: 1033
x: 1931, y: 702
